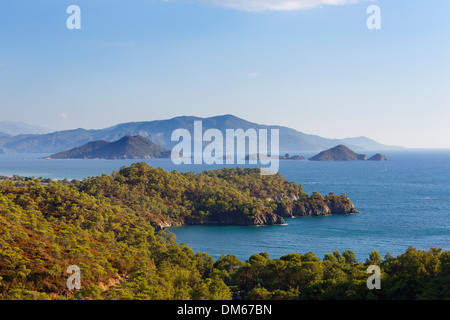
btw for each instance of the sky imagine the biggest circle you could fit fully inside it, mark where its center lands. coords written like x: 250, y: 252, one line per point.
x: 312, y: 65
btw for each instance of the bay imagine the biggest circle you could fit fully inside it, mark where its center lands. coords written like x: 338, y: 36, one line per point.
x: 402, y: 202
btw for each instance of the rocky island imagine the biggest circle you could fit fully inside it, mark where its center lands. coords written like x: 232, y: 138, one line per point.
x: 343, y: 153
x: 338, y: 153
x: 259, y: 156
x: 378, y: 157
x: 129, y: 147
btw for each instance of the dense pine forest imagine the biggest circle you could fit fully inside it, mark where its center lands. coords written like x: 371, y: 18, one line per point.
x: 112, y: 227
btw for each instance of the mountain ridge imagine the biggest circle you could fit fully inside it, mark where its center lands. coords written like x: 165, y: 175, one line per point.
x: 159, y: 132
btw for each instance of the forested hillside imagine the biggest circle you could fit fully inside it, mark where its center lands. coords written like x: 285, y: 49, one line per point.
x: 105, y: 225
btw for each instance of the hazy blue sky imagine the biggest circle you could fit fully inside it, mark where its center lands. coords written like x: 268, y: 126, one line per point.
x: 319, y: 69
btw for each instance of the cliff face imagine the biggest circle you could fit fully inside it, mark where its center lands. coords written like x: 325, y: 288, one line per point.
x: 298, y: 208
x: 267, y: 218
x: 286, y: 208
x: 311, y: 206
x: 340, y: 205
x: 235, y: 219
x: 161, y: 224
x: 264, y: 218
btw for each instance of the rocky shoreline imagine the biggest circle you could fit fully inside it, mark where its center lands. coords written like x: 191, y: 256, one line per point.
x: 315, y: 205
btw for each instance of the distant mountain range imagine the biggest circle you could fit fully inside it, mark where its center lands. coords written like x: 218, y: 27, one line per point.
x: 128, y: 147
x: 160, y: 131
x: 14, y: 128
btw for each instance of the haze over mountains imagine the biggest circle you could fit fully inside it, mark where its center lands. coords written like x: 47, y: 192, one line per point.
x: 14, y: 128
x: 160, y: 131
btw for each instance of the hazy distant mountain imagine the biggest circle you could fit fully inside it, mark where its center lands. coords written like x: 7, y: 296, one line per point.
x: 368, y: 144
x: 15, y: 128
x: 128, y: 147
x: 338, y: 153
x: 160, y: 132
x: 5, y: 137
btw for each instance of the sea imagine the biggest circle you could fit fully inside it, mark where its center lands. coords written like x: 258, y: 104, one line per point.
x: 403, y: 202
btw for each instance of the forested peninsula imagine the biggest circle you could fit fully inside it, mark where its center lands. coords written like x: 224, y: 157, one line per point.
x: 221, y: 197
x: 108, y: 227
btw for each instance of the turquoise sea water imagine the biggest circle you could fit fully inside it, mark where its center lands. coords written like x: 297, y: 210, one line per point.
x: 404, y: 201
